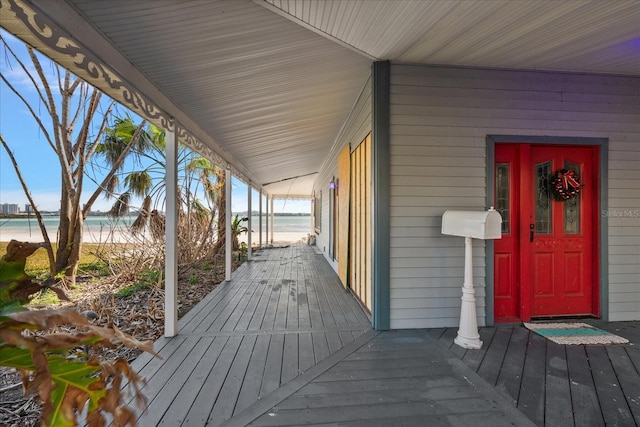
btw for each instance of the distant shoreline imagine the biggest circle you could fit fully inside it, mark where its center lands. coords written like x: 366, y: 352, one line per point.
x: 288, y: 228
x: 278, y: 237
x: 23, y: 215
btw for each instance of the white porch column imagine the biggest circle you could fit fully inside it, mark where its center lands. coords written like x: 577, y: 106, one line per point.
x: 312, y: 226
x: 171, y: 235
x: 260, y: 219
x: 266, y: 222
x: 249, y: 222
x: 272, y: 215
x: 228, y: 232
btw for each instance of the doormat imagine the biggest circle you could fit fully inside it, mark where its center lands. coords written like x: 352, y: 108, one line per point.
x: 574, y: 334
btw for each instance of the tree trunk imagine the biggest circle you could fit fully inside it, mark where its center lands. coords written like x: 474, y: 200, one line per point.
x: 69, y: 239
x: 222, y: 217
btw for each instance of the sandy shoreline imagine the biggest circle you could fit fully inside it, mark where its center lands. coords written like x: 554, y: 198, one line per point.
x: 121, y: 237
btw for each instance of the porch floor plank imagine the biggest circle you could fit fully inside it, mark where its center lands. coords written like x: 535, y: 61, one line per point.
x: 508, y: 382
x: 608, y: 388
x: 556, y: 385
x: 583, y: 390
x: 283, y: 343
x: 179, y: 408
x: 250, y: 390
x: 558, y: 409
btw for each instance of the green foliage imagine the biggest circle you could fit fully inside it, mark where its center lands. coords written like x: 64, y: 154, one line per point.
x: 237, y: 226
x: 151, y: 277
x: 146, y: 279
x: 68, y: 376
x: 65, y: 384
x: 45, y: 297
x: 127, y: 291
x: 97, y: 267
x: 193, y: 279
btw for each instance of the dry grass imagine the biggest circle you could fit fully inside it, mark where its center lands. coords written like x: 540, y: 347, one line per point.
x: 39, y: 262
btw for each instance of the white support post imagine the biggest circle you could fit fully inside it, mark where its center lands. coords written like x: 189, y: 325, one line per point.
x: 312, y: 230
x: 468, y: 336
x: 171, y: 235
x: 228, y: 232
x: 266, y: 221
x: 249, y: 222
x: 260, y: 219
x: 272, y: 215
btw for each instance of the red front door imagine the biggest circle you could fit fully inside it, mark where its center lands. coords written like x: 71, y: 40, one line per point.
x: 545, y: 263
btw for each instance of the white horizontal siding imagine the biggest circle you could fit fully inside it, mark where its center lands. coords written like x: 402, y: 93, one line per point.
x: 440, y: 117
x: 623, y: 215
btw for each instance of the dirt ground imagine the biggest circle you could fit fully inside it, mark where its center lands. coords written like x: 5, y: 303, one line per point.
x: 139, y: 314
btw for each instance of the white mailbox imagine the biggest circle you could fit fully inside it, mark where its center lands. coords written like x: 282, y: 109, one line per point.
x: 470, y: 225
x: 475, y: 224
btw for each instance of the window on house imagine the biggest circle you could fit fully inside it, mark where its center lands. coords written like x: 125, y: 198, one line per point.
x: 317, y: 212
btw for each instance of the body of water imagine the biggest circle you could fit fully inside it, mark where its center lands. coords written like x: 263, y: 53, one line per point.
x: 284, y: 223
x: 97, y: 228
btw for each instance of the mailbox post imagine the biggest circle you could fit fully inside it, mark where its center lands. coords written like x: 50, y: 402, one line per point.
x: 479, y: 225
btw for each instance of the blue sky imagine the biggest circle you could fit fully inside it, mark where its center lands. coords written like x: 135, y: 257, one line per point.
x: 38, y: 162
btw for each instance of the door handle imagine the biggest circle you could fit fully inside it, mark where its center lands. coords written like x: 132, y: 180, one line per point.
x: 531, y: 231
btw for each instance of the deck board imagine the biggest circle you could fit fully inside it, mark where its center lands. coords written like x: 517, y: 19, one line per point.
x: 608, y: 388
x: 492, y: 362
x: 556, y: 385
x: 626, y: 373
x: 373, y: 386
x: 508, y: 382
x: 284, y: 343
x: 558, y: 409
x: 273, y: 321
x: 203, y: 404
x: 583, y: 390
x: 473, y: 359
x: 250, y: 390
x: 226, y: 402
x: 167, y: 395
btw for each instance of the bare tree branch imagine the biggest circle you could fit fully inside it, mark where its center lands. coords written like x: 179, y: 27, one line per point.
x: 58, y: 132
x: 26, y: 72
x: 26, y: 103
x: 103, y: 126
x: 25, y: 188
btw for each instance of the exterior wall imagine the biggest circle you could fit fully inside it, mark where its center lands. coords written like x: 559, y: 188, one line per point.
x: 440, y: 117
x: 354, y: 130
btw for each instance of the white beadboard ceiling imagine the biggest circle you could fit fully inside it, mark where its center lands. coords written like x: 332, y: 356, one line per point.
x: 272, y: 82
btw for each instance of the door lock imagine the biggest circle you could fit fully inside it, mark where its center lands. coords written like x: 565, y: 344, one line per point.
x: 531, y: 231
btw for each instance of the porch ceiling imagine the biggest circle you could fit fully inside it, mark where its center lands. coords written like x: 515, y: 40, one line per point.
x: 270, y: 83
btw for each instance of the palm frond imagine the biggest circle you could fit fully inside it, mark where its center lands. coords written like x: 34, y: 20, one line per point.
x: 121, y: 206
x: 157, y: 225
x: 138, y: 183
x: 143, y: 217
x: 200, y: 212
x: 112, y: 185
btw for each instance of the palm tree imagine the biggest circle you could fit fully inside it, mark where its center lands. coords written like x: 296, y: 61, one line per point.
x: 74, y: 113
x: 237, y: 228
x: 197, y: 177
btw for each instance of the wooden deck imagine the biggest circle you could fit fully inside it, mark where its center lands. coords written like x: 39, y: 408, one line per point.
x: 281, y: 314
x: 559, y: 385
x: 284, y: 344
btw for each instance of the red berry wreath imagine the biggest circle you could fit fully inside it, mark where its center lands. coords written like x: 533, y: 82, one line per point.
x: 565, y: 184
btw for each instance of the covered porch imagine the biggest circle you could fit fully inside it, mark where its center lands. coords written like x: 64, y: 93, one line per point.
x: 283, y: 343
x: 282, y: 313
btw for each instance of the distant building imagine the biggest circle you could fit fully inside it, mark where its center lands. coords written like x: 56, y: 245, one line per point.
x: 27, y: 208
x: 10, y: 208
